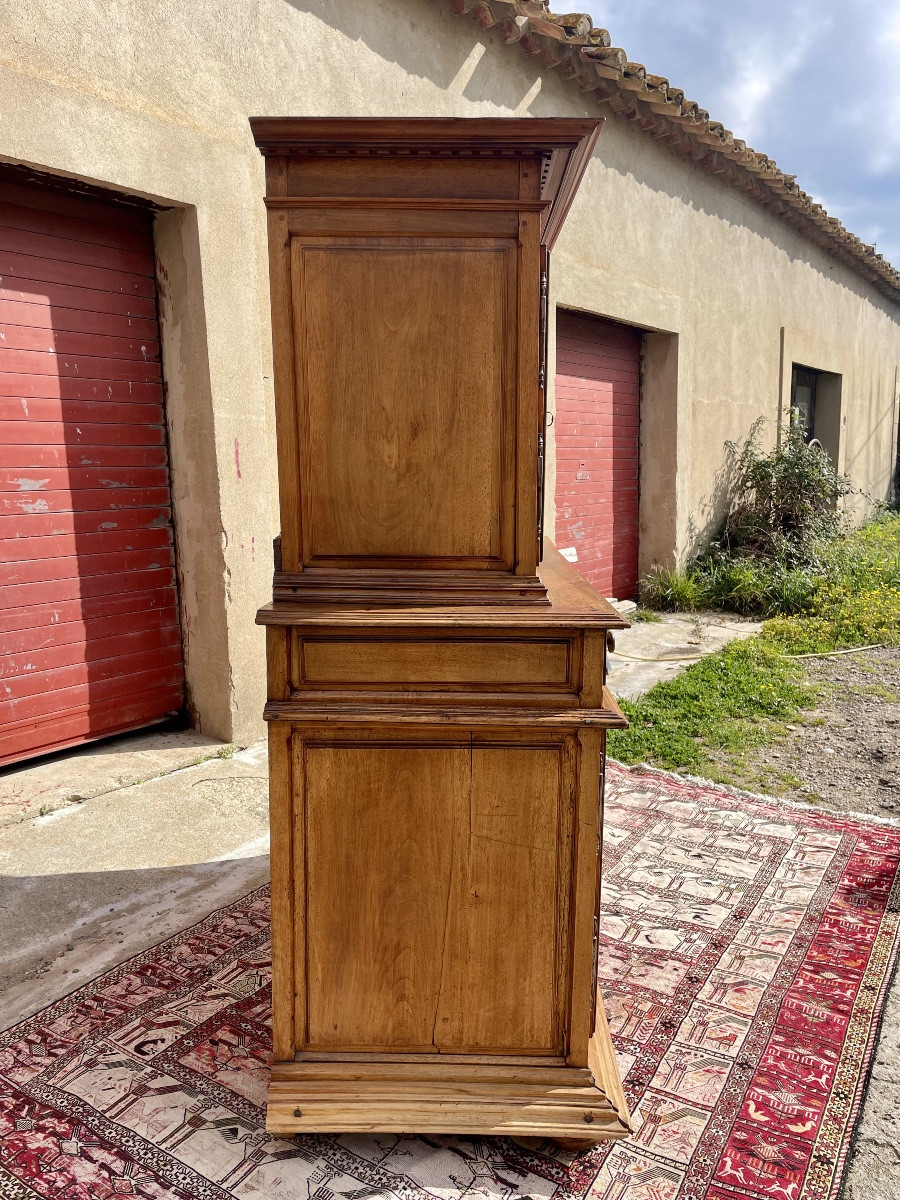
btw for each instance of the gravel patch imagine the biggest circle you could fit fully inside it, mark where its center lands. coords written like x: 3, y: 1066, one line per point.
x: 846, y: 753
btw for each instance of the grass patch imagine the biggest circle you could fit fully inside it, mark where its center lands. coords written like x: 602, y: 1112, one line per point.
x: 783, y: 554
x: 706, y: 719
x: 879, y: 691
x: 856, y: 597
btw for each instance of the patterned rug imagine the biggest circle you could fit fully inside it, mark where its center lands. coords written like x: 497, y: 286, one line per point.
x: 745, y: 953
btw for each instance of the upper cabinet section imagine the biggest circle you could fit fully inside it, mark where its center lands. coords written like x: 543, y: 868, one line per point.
x: 405, y: 271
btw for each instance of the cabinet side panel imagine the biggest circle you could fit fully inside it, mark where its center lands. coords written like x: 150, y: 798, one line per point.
x: 585, y: 895
x: 379, y: 832
x: 530, y: 415
x: 593, y: 668
x: 500, y: 978
x: 285, y: 400
x: 380, y: 324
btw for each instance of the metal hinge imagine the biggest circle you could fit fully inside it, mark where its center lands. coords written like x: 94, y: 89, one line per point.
x: 545, y: 296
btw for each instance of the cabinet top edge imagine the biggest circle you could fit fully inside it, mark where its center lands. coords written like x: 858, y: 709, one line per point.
x: 421, y: 135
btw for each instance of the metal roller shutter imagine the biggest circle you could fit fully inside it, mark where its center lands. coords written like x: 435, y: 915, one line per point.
x: 598, y: 389
x: 90, y: 641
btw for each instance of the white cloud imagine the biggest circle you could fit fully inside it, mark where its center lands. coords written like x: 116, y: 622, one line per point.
x: 885, y: 149
x: 810, y: 83
x: 758, y: 62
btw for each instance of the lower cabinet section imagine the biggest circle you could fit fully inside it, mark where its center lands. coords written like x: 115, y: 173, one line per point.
x: 434, y: 892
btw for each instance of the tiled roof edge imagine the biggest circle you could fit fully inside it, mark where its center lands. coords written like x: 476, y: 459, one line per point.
x: 585, y: 56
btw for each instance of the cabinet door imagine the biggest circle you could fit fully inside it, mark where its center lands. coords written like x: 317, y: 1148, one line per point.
x: 379, y: 834
x: 436, y: 896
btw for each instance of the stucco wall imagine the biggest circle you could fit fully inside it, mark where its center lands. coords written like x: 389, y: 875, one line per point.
x: 655, y: 242
x: 153, y: 99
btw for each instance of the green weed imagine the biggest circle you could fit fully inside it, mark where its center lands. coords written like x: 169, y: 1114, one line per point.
x: 673, y: 590
x: 645, y: 615
x: 849, y: 597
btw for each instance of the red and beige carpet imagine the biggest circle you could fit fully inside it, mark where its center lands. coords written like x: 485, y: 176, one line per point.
x: 745, y: 952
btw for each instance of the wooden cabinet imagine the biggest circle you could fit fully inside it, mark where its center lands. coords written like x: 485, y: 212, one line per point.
x: 437, y: 709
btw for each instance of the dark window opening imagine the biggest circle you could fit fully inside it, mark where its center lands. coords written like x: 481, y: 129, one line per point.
x: 803, y: 401
x: 816, y: 408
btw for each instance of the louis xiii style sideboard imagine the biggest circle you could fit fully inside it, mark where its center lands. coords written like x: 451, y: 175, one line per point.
x: 437, y: 708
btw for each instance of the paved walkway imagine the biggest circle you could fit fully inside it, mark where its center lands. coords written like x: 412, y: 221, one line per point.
x: 93, y: 881
x: 651, y: 651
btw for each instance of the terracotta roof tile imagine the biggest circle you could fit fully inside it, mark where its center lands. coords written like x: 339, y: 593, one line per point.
x: 585, y: 55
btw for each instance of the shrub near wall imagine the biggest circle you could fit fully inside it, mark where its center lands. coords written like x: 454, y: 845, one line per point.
x: 784, y: 553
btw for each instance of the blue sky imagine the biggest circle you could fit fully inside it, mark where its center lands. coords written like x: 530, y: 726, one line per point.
x: 815, y: 84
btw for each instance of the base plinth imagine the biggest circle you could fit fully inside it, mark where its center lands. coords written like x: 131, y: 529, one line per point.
x: 410, y: 1094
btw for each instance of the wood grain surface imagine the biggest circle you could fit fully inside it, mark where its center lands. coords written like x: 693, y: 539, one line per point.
x: 379, y: 822
x: 402, y: 368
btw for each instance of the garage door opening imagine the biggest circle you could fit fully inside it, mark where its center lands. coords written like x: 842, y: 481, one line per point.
x: 91, y: 641
x: 598, y: 396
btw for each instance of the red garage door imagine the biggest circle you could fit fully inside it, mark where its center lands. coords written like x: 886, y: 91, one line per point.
x: 598, y: 380
x: 89, y: 632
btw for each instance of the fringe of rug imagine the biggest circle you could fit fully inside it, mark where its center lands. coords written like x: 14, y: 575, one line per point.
x: 759, y: 797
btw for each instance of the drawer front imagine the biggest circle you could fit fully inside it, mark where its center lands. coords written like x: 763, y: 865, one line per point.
x: 467, y: 664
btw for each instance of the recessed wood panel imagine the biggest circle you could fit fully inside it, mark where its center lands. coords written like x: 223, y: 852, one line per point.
x: 380, y: 327
x: 491, y: 179
x: 379, y: 821
x: 508, y: 914
x: 435, y: 873
x: 481, y: 661
x: 366, y: 220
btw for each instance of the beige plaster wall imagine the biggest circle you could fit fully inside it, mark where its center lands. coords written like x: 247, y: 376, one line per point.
x: 153, y: 99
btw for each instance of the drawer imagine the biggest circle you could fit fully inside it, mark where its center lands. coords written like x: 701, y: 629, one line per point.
x: 438, y: 664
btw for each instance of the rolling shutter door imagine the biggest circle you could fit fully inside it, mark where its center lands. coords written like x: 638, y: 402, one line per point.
x: 598, y: 378
x: 90, y: 641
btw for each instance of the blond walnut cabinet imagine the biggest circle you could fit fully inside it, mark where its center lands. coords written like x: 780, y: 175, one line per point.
x: 437, y: 705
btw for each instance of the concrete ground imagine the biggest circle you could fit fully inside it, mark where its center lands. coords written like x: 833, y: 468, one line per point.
x: 109, y: 849
x: 163, y: 841
x: 652, y: 651
x: 73, y: 776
